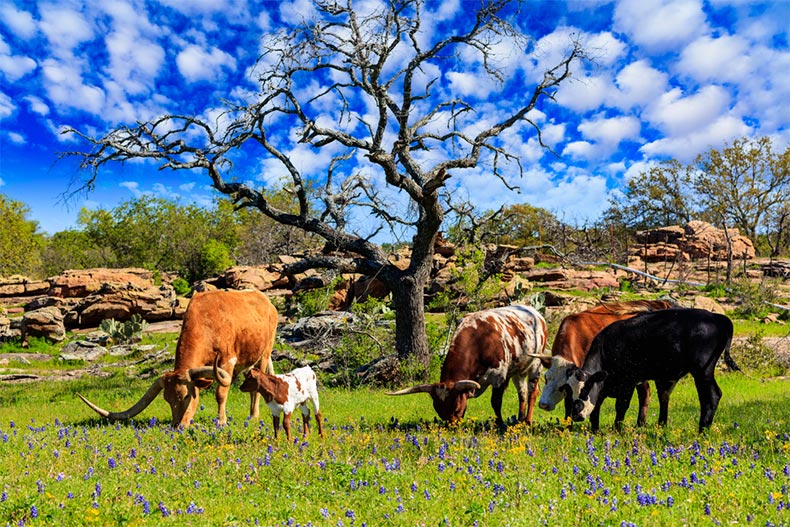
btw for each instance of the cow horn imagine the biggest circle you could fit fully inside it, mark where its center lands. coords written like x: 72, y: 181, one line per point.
x: 420, y: 388
x: 541, y: 356
x: 138, y: 407
x: 465, y: 385
x: 207, y: 372
x: 221, y: 375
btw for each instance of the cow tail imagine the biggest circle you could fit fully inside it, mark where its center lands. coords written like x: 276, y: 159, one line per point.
x: 728, y: 360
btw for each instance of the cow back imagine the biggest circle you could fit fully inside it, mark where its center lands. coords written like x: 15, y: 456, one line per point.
x: 238, y: 325
x: 489, y: 346
x: 659, y: 345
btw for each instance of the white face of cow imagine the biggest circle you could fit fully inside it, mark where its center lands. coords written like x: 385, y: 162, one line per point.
x: 584, y: 391
x: 556, y: 381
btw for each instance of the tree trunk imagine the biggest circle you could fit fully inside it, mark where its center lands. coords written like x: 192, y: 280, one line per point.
x: 411, y: 340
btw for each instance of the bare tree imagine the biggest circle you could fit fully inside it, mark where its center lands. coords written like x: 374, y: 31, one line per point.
x: 363, y: 84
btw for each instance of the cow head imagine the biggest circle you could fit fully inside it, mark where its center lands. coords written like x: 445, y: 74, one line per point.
x: 585, y: 388
x: 180, y: 391
x: 556, y: 382
x: 449, y: 398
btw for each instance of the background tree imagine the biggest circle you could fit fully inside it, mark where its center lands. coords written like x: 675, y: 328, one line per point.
x: 658, y: 197
x: 73, y: 249
x: 361, y: 82
x: 743, y: 182
x: 20, y: 241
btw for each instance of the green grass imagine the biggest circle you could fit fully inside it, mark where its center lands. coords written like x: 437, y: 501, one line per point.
x: 385, y: 461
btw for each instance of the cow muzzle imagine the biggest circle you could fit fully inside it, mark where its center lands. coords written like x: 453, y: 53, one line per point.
x: 576, y: 412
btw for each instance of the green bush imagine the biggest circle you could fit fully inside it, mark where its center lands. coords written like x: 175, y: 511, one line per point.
x: 181, y: 286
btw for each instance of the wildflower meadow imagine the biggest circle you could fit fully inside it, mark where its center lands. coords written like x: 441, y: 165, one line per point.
x: 387, y: 461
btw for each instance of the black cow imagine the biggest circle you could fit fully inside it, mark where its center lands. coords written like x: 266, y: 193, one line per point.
x: 662, y: 346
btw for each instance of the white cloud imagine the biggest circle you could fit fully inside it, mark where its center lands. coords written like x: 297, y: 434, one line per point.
x: 603, y: 136
x: 133, y: 187
x: 14, y: 67
x: 65, y: 87
x: 17, y: 139
x: 605, y: 48
x: 688, y: 145
x: 20, y: 22
x: 724, y: 59
x: 638, y: 85
x: 7, y: 106
x: 660, y: 25
x: 64, y: 28
x: 468, y: 83
x: 584, y: 94
x: 196, y: 63
x: 676, y: 115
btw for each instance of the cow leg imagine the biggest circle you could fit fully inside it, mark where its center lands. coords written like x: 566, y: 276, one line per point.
x: 532, y: 396
x: 643, y: 393
x: 496, y: 402
x: 306, y: 420
x: 275, y: 424
x: 709, y: 395
x: 222, y: 396
x: 568, y: 404
x: 287, y: 426
x: 318, y: 420
x: 255, y: 398
x: 664, y: 389
x: 595, y: 416
x: 621, y: 405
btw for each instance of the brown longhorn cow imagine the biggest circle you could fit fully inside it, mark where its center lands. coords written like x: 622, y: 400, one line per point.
x: 237, y: 328
x: 489, y: 348
x: 572, y: 343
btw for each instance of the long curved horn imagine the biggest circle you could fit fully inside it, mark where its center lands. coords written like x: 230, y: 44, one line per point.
x: 420, y: 388
x: 465, y: 385
x: 138, y: 407
x: 221, y: 375
x: 541, y: 356
x: 207, y: 372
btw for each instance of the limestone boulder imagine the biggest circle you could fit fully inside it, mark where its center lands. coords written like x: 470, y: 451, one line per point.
x: 120, y: 302
x: 83, y: 350
x: 261, y: 278
x: 46, y: 322
x: 17, y: 285
x: 82, y: 283
x: 693, y: 241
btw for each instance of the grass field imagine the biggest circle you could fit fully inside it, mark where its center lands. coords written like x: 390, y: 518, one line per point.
x: 385, y: 461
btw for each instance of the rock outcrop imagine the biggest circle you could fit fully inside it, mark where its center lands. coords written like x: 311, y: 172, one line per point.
x: 694, y: 241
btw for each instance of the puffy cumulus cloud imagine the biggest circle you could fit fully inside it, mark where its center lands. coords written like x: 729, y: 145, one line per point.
x: 469, y: 83
x: 577, y: 198
x: 723, y: 59
x: 135, y: 56
x: 36, y: 105
x: 585, y: 94
x: 19, y: 22
x: 133, y: 187
x: 611, y: 131
x: 294, y: 11
x: 17, y: 139
x: 676, y: 115
x: 660, y: 25
x: 14, y: 67
x: 66, y: 89
x: 687, y: 146
x: 196, y: 64
x: 579, y: 150
x: 64, y: 28
x: 234, y: 10
x: 638, y: 84
x: 7, y: 106
x: 605, y: 48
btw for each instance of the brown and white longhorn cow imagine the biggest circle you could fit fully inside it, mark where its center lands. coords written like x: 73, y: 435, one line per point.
x: 574, y: 336
x: 488, y: 349
x: 235, y: 327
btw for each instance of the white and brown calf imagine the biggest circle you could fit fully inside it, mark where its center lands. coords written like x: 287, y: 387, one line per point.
x: 285, y: 392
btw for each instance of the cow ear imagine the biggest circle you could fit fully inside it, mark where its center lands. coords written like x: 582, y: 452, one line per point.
x: 598, y: 376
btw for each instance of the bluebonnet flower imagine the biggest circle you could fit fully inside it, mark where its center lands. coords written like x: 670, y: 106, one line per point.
x: 163, y: 509
x: 707, y: 509
x: 112, y: 463
x: 33, y: 511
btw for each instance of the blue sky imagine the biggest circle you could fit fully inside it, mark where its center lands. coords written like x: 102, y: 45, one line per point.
x: 671, y: 79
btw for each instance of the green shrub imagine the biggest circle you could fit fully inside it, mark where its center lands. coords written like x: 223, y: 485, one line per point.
x: 181, y: 286
x: 753, y: 355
